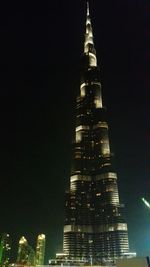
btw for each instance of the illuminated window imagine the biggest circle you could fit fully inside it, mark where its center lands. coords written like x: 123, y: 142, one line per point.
x: 78, y: 154
x: 73, y: 208
x: 110, y: 189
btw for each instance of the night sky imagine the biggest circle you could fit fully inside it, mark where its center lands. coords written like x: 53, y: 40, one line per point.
x: 41, y: 45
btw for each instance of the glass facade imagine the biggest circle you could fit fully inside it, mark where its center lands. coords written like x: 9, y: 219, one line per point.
x: 94, y: 227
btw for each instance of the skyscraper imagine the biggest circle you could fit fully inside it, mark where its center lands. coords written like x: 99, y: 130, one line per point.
x: 5, y: 250
x: 94, y: 227
x: 40, y: 250
x: 26, y: 255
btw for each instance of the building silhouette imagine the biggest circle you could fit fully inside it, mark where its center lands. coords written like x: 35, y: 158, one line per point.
x: 94, y: 228
x: 40, y: 249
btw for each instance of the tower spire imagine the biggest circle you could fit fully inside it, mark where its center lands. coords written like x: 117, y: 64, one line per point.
x: 89, y: 48
x: 88, y: 9
x: 94, y: 228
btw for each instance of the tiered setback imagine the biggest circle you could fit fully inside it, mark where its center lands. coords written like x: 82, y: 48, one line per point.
x: 94, y: 228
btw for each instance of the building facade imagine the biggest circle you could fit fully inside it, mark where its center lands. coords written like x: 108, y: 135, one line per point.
x: 26, y: 255
x: 94, y: 228
x: 40, y: 249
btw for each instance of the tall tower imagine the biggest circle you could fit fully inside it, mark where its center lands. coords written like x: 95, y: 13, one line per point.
x: 40, y: 250
x: 94, y: 228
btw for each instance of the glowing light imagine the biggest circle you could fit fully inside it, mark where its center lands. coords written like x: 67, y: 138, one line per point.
x: 83, y: 85
x: 98, y: 103
x: 106, y: 176
x: 105, y: 149
x: 88, y: 9
x: 74, y: 178
x: 42, y: 236
x: 146, y: 202
x: 82, y: 127
x: 101, y: 124
x: 92, y: 59
x: 22, y: 240
x: 98, y: 229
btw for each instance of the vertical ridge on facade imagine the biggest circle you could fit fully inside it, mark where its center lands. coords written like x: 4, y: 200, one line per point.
x: 94, y: 228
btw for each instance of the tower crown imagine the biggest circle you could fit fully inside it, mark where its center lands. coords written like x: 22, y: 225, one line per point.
x: 89, y: 48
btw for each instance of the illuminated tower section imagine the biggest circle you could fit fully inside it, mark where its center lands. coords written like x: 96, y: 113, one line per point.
x: 40, y: 250
x: 94, y: 228
x: 26, y: 255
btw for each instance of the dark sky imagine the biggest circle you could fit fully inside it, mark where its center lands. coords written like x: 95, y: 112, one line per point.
x: 41, y: 44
